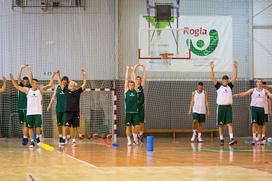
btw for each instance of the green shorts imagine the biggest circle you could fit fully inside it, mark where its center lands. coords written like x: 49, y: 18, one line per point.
x: 34, y: 121
x: 132, y: 119
x: 257, y: 115
x: 22, y: 115
x: 59, y: 118
x: 199, y: 117
x: 141, y: 115
x: 224, y: 115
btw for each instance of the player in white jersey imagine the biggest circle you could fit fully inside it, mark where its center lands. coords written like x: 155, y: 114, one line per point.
x: 34, y: 106
x: 258, y: 104
x: 199, y: 106
x: 224, y: 103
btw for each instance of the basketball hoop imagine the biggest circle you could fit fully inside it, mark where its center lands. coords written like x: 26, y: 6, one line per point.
x: 167, y: 57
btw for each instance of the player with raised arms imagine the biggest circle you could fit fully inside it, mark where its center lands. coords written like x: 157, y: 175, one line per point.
x: 71, y: 116
x: 34, y: 106
x: 224, y: 103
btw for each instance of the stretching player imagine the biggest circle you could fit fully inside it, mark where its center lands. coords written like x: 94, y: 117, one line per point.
x: 4, y: 86
x: 34, y: 106
x: 59, y: 94
x: 258, y: 104
x: 267, y: 110
x: 224, y: 102
x: 22, y: 100
x: 198, y: 107
x: 131, y: 104
x: 71, y: 114
x: 140, y: 85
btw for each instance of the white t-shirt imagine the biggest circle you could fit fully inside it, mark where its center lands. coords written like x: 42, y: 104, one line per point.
x: 199, y: 102
x: 259, y: 98
x: 224, y: 94
x: 34, y: 102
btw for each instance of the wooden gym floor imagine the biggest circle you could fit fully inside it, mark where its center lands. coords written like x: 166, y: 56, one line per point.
x: 171, y: 160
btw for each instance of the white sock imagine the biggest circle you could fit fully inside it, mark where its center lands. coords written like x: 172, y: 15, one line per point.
x: 64, y: 137
x: 74, y: 140
x: 135, y: 137
x: 231, y: 135
x: 263, y: 135
x: 60, y: 135
x: 259, y: 137
x: 141, y: 133
x: 32, y: 140
x: 194, y: 131
x: 128, y: 138
x: 221, y: 137
x: 25, y: 136
x: 254, y: 136
x: 199, y: 135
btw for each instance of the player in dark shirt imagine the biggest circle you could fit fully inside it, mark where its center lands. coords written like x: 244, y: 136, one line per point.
x: 71, y: 114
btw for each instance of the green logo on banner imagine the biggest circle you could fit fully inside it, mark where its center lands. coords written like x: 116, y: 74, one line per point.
x: 214, y: 39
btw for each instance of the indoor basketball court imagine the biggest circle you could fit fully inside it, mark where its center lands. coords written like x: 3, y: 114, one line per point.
x: 135, y: 90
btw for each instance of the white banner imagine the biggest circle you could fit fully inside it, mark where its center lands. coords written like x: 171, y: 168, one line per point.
x: 208, y: 37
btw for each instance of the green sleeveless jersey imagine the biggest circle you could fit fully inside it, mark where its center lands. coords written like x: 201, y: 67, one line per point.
x: 60, y: 100
x: 22, y: 99
x: 140, y: 96
x: 131, y: 101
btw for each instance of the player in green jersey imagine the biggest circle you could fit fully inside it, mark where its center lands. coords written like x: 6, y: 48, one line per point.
x: 22, y: 100
x: 60, y: 96
x: 140, y: 85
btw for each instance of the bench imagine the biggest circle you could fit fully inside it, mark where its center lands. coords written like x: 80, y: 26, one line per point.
x: 176, y: 131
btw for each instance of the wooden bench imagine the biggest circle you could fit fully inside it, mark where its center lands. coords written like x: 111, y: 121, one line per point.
x: 175, y: 131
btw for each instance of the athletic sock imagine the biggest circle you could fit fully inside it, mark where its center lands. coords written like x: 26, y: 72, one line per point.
x: 259, y: 137
x: 231, y: 136
x: 64, y: 137
x: 25, y: 137
x: 135, y: 137
x: 194, y: 131
x: 141, y: 133
x: 254, y: 136
x: 221, y: 137
x: 263, y: 135
x: 128, y: 138
x: 32, y: 140
x: 199, y: 135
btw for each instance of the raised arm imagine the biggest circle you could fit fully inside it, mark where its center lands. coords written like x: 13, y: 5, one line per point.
x: 16, y: 86
x: 144, y: 76
x: 49, y: 85
x: 243, y: 94
x: 212, y: 73
x: 4, y: 86
x: 191, y: 103
x: 19, y: 80
x: 59, y: 80
x: 30, y: 73
x: 84, y: 76
x: 235, y: 69
x: 52, y: 100
x: 207, y: 103
x: 126, y: 77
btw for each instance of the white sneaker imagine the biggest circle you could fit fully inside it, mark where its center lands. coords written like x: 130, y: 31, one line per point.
x: 74, y: 142
x: 129, y: 143
x: 200, y: 140
x: 193, y: 138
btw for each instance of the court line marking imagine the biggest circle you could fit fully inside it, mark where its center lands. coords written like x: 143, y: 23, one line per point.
x: 81, y: 161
